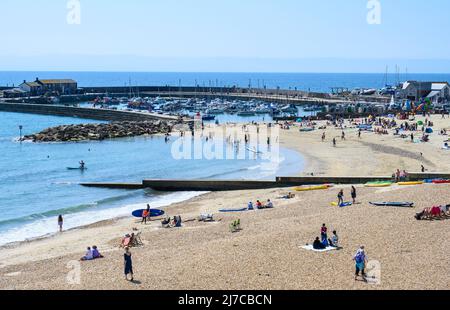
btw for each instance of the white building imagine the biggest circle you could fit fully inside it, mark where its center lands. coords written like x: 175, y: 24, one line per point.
x: 435, y: 91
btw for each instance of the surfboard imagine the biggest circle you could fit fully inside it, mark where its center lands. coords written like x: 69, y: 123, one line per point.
x: 234, y: 210
x: 342, y: 205
x: 393, y: 204
x: 79, y: 168
x: 153, y: 213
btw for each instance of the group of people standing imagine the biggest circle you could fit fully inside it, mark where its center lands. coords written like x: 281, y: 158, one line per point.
x: 340, y: 196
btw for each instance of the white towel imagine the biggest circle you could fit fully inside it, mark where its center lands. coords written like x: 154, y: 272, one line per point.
x: 310, y: 248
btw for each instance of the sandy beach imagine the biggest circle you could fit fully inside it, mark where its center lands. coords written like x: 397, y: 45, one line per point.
x: 267, y: 253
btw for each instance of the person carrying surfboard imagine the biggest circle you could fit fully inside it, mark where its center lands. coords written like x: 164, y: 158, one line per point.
x: 145, y: 215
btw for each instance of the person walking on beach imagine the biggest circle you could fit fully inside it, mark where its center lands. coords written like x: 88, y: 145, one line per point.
x: 334, y: 142
x: 128, y: 264
x: 343, y: 136
x: 60, y: 223
x: 360, y: 263
x: 323, y: 137
x: 412, y: 138
x: 423, y: 168
x: 359, y: 134
x: 353, y: 193
x: 145, y: 215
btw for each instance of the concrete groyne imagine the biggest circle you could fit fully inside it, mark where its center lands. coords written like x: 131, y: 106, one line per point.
x: 86, y: 113
x: 280, y: 182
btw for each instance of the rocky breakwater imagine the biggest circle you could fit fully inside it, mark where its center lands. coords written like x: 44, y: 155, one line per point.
x: 98, y: 132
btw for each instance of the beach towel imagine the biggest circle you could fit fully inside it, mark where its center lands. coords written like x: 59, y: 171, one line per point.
x: 310, y: 248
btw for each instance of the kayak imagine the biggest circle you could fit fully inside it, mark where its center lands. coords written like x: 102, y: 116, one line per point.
x: 441, y: 182
x: 233, y: 210
x: 79, y: 168
x: 378, y: 184
x: 393, y: 204
x: 311, y: 188
x: 410, y: 183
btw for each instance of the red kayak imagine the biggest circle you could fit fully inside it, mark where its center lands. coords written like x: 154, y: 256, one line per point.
x: 441, y: 182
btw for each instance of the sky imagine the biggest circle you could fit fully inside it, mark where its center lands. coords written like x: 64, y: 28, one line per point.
x: 225, y: 35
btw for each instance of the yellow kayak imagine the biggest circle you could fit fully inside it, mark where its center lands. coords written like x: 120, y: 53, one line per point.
x: 311, y: 188
x: 378, y: 185
x: 410, y: 183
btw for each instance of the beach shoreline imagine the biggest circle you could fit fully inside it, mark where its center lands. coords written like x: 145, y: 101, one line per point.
x: 291, y: 224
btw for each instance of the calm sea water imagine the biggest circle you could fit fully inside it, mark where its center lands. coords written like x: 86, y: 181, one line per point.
x: 320, y: 82
x: 36, y: 186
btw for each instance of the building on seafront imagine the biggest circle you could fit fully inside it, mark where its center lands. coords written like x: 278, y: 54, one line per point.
x: 435, y: 91
x: 53, y: 86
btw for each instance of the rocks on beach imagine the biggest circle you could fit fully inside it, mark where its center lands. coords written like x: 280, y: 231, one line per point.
x: 99, y: 132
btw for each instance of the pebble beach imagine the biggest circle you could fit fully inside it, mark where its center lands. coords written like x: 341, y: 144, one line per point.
x: 266, y: 254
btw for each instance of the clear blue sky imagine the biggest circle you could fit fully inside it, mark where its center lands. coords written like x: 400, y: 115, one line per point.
x: 225, y: 35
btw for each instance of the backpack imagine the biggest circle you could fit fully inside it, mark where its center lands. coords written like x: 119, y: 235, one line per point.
x: 359, y: 258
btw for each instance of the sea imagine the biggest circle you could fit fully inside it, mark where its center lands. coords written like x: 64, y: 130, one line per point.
x: 36, y: 186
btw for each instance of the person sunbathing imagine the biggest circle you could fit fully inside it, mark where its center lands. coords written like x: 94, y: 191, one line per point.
x: 317, y: 245
x: 269, y: 204
x: 288, y: 196
x: 334, y: 241
x: 166, y: 222
x: 88, y: 256
x: 436, y: 212
x: 95, y: 252
x: 259, y: 205
x: 127, y: 240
